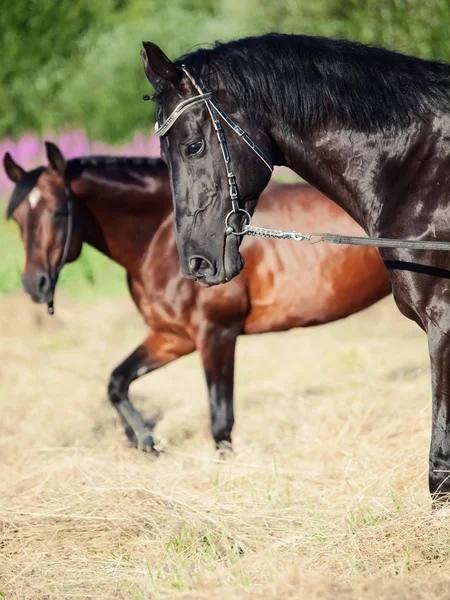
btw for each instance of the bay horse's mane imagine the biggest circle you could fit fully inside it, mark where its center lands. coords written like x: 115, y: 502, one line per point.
x: 307, y: 81
x: 75, y: 167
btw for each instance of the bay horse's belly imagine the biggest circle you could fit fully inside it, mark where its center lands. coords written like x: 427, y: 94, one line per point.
x: 295, y: 284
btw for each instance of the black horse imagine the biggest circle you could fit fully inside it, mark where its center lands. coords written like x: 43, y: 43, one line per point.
x: 368, y: 127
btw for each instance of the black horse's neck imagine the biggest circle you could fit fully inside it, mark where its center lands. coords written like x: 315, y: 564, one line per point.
x: 373, y: 177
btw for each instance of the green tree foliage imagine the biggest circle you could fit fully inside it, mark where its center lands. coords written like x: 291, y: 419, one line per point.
x: 76, y: 64
x: 40, y: 42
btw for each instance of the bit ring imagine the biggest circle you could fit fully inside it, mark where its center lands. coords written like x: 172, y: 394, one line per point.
x: 229, y: 229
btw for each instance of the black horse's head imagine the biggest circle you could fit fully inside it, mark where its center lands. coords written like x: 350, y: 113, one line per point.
x: 199, y: 179
x: 39, y: 205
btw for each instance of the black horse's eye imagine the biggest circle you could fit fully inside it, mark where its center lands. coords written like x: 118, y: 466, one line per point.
x: 195, y: 147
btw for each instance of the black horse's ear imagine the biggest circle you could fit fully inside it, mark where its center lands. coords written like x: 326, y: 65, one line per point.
x: 12, y: 169
x: 158, y: 67
x: 55, y: 158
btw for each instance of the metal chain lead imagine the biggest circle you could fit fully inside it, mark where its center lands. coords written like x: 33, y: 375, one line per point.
x: 274, y: 233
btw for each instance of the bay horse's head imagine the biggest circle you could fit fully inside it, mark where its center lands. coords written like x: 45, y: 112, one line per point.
x: 44, y: 213
x: 212, y: 171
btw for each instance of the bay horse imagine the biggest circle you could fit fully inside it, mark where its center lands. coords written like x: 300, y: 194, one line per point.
x: 368, y: 127
x: 123, y: 207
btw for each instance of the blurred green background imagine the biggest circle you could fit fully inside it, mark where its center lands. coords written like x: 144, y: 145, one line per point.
x: 75, y: 64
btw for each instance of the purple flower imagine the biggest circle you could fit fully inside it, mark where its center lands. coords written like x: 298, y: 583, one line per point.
x: 29, y: 151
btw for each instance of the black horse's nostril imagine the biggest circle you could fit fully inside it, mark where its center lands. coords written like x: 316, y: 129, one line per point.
x: 200, y: 266
x: 195, y: 264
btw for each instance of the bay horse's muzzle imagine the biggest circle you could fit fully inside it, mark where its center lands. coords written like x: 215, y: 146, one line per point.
x: 39, y: 285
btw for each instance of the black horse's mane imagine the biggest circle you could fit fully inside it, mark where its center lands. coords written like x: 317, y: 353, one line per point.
x: 74, y: 168
x: 306, y: 81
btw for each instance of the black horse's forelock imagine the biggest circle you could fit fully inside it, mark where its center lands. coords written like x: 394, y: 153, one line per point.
x: 74, y: 167
x: 306, y: 81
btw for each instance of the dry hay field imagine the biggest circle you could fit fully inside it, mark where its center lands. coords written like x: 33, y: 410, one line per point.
x: 325, y: 496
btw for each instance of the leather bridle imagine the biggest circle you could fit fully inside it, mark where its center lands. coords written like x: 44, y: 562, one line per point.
x: 67, y: 243
x: 205, y: 95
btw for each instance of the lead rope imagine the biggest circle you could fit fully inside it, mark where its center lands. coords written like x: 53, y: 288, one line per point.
x: 334, y: 238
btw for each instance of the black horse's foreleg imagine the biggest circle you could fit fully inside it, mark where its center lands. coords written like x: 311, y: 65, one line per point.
x: 156, y: 351
x: 439, y: 465
x: 217, y: 351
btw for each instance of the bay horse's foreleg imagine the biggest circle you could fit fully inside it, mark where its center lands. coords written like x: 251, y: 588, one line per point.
x: 156, y: 351
x: 439, y: 463
x: 217, y: 348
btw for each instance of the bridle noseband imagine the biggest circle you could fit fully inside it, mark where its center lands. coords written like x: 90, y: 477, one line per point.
x: 214, y: 110
x: 67, y: 243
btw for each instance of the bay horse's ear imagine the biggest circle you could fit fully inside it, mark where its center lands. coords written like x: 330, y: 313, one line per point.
x: 158, y: 67
x: 12, y: 169
x: 55, y: 158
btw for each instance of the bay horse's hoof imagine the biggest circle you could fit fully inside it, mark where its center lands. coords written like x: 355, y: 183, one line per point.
x: 224, y: 450
x: 147, y: 444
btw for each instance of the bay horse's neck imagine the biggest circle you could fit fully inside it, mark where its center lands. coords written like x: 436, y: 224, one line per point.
x: 120, y: 210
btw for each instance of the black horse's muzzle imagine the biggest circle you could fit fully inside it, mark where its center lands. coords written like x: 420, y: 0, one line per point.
x: 200, y: 267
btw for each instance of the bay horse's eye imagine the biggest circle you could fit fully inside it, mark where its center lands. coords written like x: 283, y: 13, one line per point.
x: 60, y: 213
x: 195, y: 147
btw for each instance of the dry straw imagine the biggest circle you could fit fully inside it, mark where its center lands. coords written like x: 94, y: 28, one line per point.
x: 325, y: 497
